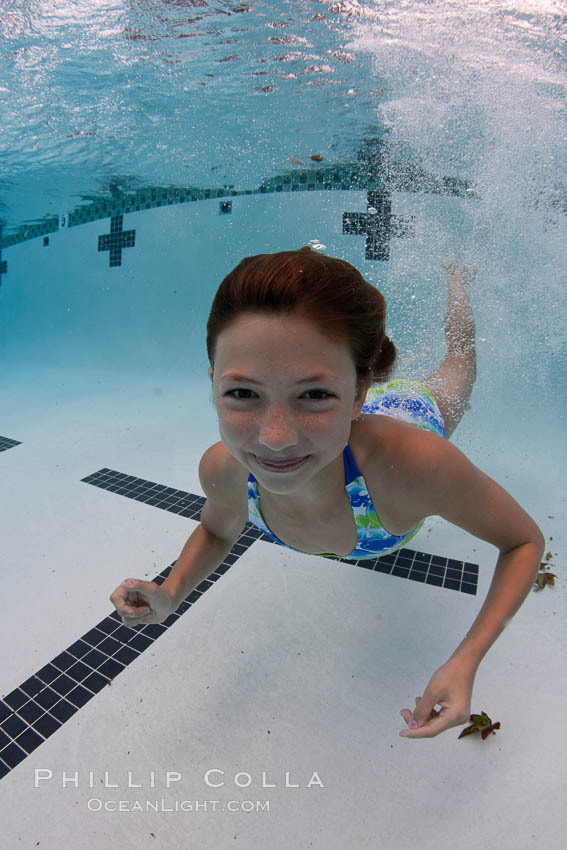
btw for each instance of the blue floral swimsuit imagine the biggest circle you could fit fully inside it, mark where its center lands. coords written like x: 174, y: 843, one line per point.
x: 409, y: 401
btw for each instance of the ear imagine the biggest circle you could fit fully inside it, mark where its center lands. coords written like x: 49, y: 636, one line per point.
x: 211, y: 373
x: 362, y: 389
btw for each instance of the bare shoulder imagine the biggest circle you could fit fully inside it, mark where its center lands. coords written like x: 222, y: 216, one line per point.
x: 388, y: 443
x: 225, y: 511
x: 431, y: 476
x: 401, y: 460
x: 224, y: 479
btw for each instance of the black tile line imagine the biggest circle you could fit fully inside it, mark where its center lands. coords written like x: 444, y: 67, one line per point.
x: 367, y: 174
x: 36, y: 709
x: 407, y: 563
x: 26, y: 232
x: 32, y: 712
x: 3, y: 263
x: 7, y: 443
x: 3, y: 267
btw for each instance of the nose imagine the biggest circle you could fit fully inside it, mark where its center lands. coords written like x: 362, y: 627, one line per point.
x: 277, y: 430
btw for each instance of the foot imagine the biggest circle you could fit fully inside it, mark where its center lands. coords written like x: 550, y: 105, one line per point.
x: 458, y: 272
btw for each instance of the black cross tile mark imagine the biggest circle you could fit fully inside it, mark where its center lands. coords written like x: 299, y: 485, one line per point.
x: 378, y: 224
x: 116, y: 240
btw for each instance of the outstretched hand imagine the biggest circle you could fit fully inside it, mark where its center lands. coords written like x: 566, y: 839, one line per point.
x: 451, y: 688
x: 459, y: 271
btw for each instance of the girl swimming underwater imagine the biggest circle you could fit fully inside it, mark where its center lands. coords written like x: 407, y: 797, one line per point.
x: 326, y: 455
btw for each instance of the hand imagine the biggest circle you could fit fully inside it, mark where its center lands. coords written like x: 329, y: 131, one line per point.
x: 140, y: 602
x: 451, y: 688
x: 458, y: 271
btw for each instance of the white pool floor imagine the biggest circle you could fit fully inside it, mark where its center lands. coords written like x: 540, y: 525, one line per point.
x: 284, y: 680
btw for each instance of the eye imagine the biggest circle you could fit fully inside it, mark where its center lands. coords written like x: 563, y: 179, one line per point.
x: 230, y: 394
x: 239, y: 390
x: 324, y: 392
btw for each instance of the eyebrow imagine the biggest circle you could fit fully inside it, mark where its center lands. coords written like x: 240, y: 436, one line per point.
x: 325, y: 376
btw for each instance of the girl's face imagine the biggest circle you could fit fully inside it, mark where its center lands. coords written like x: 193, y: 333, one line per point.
x: 283, y: 391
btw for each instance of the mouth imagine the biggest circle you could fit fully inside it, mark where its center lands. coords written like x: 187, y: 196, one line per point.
x: 283, y: 465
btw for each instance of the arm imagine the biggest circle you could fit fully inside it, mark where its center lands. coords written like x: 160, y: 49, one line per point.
x: 462, y: 494
x: 200, y: 556
x: 222, y: 519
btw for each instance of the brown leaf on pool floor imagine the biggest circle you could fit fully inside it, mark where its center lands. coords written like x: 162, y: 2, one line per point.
x: 316, y: 158
x: 543, y: 579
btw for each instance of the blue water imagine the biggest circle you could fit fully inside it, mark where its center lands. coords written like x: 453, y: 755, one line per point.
x: 100, y: 99
x: 457, y: 109
x: 100, y: 93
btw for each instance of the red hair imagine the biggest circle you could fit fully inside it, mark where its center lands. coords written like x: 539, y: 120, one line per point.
x: 329, y: 292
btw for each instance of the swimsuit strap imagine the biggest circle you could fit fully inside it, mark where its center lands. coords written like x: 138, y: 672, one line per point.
x: 351, y: 469
x: 372, y: 539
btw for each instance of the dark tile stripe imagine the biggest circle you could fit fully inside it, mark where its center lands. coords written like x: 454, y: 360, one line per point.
x: 365, y: 174
x: 406, y: 563
x: 7, y: 443
x: 37, y: 708
x: 158, y: 495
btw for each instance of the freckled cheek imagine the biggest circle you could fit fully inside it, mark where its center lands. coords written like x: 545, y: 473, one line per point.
x: 241, y: 427
x: 236, y: 426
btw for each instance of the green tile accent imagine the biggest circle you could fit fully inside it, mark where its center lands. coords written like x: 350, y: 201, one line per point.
x: 30, y: 231
x: 339, y: 176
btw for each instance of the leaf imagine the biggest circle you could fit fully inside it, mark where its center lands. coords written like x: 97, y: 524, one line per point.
x: 316, y: 158
x: 492, y: 728
x: 480, y: 723
x: 468, y: 731
x: 544, y: 578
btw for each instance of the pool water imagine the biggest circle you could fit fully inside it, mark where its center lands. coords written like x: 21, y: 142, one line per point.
x: 146, y: 148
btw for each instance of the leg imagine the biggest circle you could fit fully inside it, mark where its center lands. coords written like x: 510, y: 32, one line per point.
x: 452, y: 382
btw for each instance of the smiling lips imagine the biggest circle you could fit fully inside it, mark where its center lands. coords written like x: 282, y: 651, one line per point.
x: 283, y: 465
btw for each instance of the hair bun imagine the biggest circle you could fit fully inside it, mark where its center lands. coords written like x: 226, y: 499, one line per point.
x: 385, y: 359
